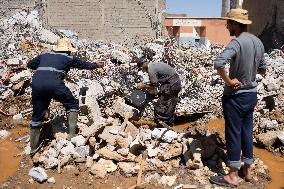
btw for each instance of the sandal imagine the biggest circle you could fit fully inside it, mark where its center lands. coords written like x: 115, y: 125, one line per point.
x: 219, y: 180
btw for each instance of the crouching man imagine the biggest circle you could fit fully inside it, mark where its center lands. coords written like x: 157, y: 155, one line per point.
x: 166, y: 76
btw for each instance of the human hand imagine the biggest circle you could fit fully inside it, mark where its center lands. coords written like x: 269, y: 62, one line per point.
x: 100, y: 64
x: 140, y: 85
x: 235, y: 83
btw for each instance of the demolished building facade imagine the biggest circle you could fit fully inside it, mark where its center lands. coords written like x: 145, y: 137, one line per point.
x: 267, y: 18
x: 109, y: 20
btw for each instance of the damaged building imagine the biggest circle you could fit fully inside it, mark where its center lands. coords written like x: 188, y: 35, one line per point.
x: 267, y: 17
x: 197, y: 30
x: 109, y: 20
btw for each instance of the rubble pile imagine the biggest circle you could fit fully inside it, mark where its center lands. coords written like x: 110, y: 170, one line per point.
x: 201, y: 85
x: 121, y: 147
x: 107, y: 142
x: 268, y: 117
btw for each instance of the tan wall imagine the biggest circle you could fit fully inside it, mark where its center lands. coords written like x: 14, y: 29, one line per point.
x: 110, y: 20
x: 216, y: 31
x: 186, y: 29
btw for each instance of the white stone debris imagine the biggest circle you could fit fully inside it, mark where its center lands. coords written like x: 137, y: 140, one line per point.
x: 38, y: 174
x: 4, y: 134
x: 168, y: 180
x: 51, y: 180
x: 281, y: 136
x: 78, y: 140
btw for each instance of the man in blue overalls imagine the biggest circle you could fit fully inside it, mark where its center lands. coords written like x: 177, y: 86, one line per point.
x: 48, y: 83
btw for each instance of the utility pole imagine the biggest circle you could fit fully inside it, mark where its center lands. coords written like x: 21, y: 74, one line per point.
x: 236, y: 4
x: 225, y: 7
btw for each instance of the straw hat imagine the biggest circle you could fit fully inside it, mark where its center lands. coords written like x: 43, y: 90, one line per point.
x: 64, y: 44
x: 239, y: 15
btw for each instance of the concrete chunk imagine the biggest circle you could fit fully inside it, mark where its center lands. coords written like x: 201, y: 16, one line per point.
x: 38, y: 174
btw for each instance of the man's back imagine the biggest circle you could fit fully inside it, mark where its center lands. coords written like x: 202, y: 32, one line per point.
x: 160, y: 72
x: 248, y: 57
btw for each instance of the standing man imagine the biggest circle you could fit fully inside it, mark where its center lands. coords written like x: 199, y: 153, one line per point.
x: 246, y: 56
x: 48, y: 83
x: 170, y: 85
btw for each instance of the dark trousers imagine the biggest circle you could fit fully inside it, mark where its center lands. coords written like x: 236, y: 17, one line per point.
x: 41, y: 98
x: 238, y: 113
x: 168, y: 99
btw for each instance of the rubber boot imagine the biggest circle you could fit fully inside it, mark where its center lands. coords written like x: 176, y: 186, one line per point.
x: 34, y: 140
x: 72, y: 122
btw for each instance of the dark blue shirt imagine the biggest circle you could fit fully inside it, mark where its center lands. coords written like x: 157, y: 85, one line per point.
x: 55, y: 65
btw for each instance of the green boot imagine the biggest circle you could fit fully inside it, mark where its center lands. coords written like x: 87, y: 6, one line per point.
x: 34, y: 140
x: 72, y: 122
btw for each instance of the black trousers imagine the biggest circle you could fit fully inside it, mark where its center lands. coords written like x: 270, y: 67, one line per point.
x: 168, y: 99
x: 41, y: 98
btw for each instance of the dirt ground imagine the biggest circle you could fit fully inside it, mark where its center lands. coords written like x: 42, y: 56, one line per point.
x: 16, y: 168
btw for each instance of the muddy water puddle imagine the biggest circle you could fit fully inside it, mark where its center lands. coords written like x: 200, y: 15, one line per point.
x: 275, y: 163
x: 9, y: 153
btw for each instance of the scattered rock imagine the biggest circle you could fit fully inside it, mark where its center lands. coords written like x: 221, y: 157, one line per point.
x: 51, y: 180
x: 111, y: 155
x: 47, y: 36
x: 68, y: 150
x: 281, y: 136
x: 38, y: 174
x: 98, y: 170
x: 18, y: 118
x: 123, y: 142
x: 108, y: 137
x: 78, y: 140
x: 164, y: 134
x: 267, y: 139
x: 131, y: 129
x: 13, y: 62
x: 189, y: 186
x: 268, y: 124
x: 128, y: 168
x: 108, y: 164
x: 89, y: 162
x: 171, y: 151
x: 123, y: 151
x: 92, y: 141
x: 4, y: 134
x: 168, y: 180
x: 81, y: 152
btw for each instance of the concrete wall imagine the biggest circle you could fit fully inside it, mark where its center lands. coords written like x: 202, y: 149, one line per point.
x: 268, y: 24
x: 267, y: 17
x: 110, y: 20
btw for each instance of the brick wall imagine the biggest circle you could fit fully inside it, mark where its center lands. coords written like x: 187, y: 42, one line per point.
x: 110, y: 20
